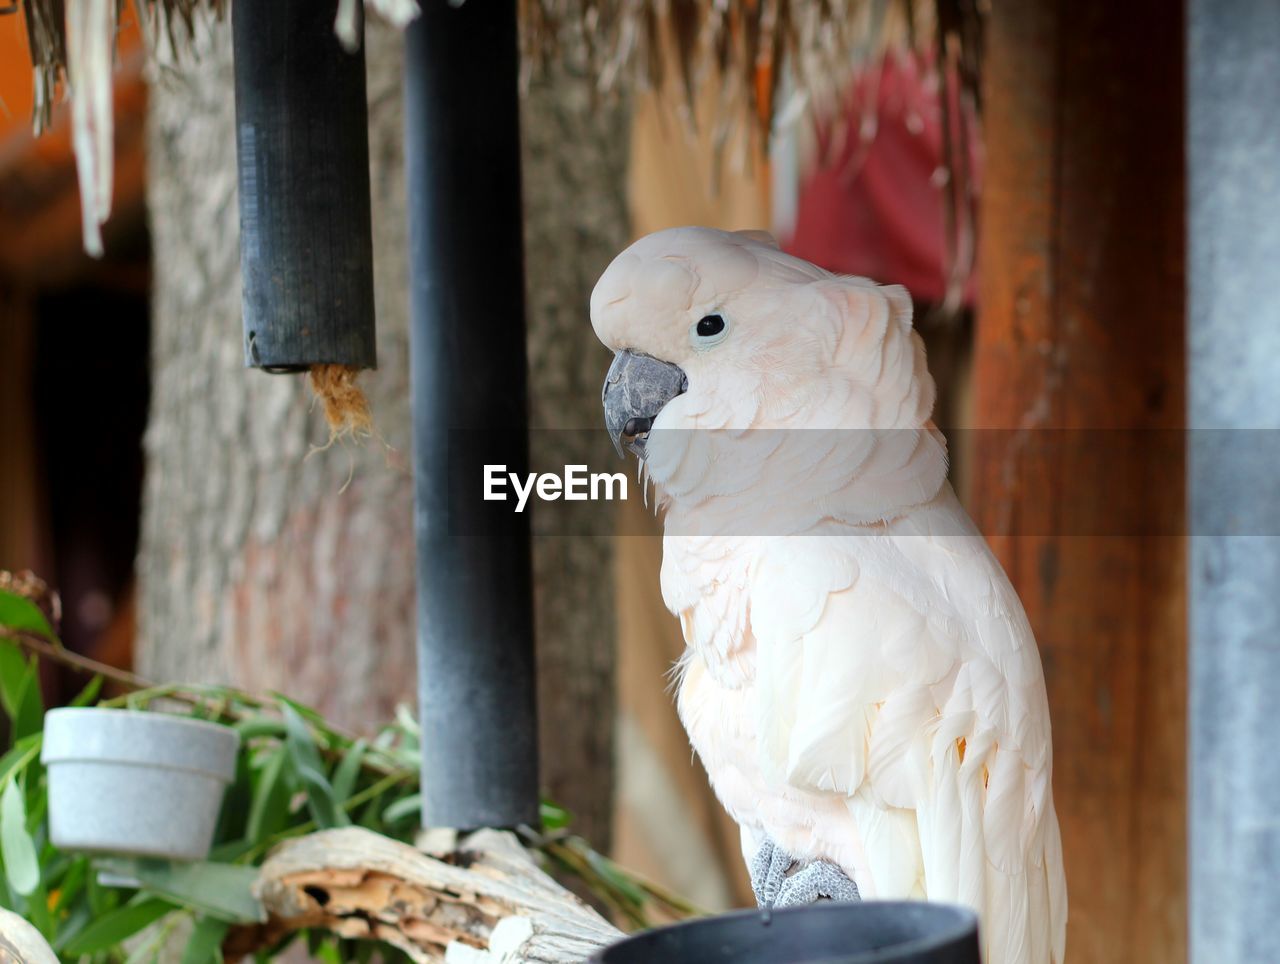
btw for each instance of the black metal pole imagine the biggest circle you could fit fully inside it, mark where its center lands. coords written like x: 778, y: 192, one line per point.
x: 475, y: 618
x: 302, y: 145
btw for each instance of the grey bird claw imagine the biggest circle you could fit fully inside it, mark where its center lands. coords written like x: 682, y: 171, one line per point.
x: 816, y: 881
x: 768, y: 872
x: 778, y: 882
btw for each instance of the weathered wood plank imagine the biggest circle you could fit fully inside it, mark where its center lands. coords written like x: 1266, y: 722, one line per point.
x: 1081, y: 328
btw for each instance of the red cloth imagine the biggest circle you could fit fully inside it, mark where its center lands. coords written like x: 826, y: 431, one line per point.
x: 875, y: 207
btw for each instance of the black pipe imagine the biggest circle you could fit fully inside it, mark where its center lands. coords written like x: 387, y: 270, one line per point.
x: 466, y: 259
x: 302, y: 145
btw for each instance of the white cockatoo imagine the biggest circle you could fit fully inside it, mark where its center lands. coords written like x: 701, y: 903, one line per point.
x: 860, y: 680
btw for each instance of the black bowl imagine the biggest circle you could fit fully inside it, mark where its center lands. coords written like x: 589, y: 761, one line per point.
x: 864, y: 932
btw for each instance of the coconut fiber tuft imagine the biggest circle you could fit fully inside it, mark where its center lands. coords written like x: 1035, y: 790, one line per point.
x: 346, y: 408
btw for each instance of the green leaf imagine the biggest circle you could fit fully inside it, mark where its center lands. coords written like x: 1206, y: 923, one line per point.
x: 233, y: 819
x: 72, y: 924
x: 269, y: 812
x: 348, y: 772
x: 305, y: 757
x: 15, y: 677
x: 16, y: 760
x: 370, y: 815
x: 37, y: 810
x: 315, y: 938
x: 229, y: 852
x: 409, y: 806
x: 71, y: 885
x: 109, y: 930
x: 29, y: 715
x: 89, y: 694
x: 324, y: 809
x: 21, y: 868
x: 217, y: 890
x: 554, y: 817
x: 19, y: 612
x: 312, y: 716
x: 205, y: 945
x: 298, y: 737
x: 607, y: 869
x: 39, y: 914
x: 101, y: 898
x: 249, y: 729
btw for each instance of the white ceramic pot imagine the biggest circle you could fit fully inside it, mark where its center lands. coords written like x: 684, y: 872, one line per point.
x: 129, y: 782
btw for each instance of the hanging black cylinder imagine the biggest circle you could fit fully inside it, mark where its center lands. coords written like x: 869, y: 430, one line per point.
x: 302, y: 142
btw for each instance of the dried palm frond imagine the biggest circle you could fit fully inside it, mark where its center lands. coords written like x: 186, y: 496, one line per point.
x: 745, y: 42
x: 742, y: 43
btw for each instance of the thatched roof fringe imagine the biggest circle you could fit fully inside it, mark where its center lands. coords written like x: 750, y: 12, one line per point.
x: 627, y: 43
x: 91, y: 32
x: 45, y: 33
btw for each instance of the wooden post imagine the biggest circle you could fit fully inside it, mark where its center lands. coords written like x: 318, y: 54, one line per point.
x: 1081, y: 328
x: 21, y: 511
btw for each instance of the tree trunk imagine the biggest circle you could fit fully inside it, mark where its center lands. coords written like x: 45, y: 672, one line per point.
x: 575, y: 151
x: 270, y: 565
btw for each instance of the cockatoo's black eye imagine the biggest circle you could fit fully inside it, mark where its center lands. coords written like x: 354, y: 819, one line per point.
x: 707, y: 331
x: 710, y: 326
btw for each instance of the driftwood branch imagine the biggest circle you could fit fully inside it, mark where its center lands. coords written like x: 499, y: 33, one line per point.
x: 482, y: 903
x: 22, y: 943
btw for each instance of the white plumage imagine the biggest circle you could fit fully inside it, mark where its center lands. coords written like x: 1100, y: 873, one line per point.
x: 860, y: 682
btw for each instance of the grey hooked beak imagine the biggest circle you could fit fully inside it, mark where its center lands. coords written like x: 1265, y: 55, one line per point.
x: 635, y: 391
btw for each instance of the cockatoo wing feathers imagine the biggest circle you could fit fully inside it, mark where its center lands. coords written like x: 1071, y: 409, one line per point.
x: 897, y: 670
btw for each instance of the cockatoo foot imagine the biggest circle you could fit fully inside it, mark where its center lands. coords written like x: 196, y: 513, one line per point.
x: 768, y: 872
x: 815, y: 881
x: 778, y: 881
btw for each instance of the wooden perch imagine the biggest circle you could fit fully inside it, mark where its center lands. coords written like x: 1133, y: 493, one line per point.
x: 22, y: 943
x: 483, y: 903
